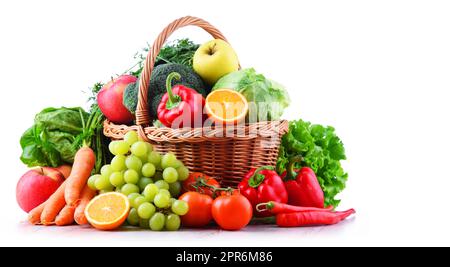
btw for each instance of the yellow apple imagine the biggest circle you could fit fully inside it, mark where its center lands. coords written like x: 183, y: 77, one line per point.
x: 215, y: 59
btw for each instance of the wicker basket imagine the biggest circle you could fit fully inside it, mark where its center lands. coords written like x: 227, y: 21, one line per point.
x: 226, y: 154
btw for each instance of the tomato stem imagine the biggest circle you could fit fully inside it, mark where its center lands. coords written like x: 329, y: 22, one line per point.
x: 201, y: 183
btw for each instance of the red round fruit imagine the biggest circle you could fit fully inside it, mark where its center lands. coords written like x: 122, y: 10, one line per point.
x: 36, y: 186
x: 110, y: 99
x: 232, y: 212
x: 199, y: 213
x: 190, y: 183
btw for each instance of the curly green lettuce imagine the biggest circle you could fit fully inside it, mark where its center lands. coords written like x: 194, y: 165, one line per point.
x: 322, y: 150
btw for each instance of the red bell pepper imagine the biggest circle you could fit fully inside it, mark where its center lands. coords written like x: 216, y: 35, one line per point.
x: 180, y: 106
x: 302, y: 186
x: 263, y: 185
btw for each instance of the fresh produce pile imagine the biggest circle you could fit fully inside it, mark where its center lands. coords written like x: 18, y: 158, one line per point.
x: 79, y: 176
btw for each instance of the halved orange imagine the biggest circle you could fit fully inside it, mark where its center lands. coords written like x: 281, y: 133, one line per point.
x: 107, y: 211
x: 226, y: 106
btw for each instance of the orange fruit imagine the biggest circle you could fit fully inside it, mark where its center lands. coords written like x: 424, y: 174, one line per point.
x: 107, y: 211
x: 226, y: 106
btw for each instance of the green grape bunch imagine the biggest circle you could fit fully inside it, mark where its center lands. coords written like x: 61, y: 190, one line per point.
x: 151, y: 181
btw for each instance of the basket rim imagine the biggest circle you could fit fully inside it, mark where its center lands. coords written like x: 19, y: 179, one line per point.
x: 264, y: 129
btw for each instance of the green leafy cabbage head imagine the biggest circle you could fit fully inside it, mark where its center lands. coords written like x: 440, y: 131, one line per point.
x: 267, y: 99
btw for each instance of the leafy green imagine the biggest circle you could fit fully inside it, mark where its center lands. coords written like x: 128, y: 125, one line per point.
x: 179, y: 51
x: 92, y: 136
x: 267, y: 99
x: 37, y: 152
x: 321, y: 150
x: 49, y: 141
x: 93, y: 92
x: 137, y: 68
x: 58, y: 133
x: 278, y: 92
x: 63, y: 119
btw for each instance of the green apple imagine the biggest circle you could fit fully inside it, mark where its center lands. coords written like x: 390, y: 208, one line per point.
x: 215, y: 59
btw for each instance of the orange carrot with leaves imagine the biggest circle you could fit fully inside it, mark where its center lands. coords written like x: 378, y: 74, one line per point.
x: 65, y: 217
x: 83, y: 165
x: 86, y: 195
x: 85, y: 158
x: 61, y: 206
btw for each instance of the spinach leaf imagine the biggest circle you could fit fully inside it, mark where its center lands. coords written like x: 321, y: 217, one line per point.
x: 61, y: 119
x: 50, y: 141
x: 36, y: 151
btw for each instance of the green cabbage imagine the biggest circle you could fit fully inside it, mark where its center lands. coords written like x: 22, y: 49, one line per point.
x: 267, y: 99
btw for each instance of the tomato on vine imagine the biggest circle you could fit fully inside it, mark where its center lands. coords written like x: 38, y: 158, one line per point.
x: 202, y: 183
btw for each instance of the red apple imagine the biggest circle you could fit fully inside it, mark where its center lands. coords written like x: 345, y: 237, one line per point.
x: 36, y: 186
x: 110, y: 99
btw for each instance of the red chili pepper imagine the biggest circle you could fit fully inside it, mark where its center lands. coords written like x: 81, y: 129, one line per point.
x: 180, y: 105
x: 277, y: 208
x: 310, y: 218
x: 263, y: 185
x: 302, y: 186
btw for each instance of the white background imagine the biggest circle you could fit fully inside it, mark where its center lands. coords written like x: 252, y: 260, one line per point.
x: 376, y: 70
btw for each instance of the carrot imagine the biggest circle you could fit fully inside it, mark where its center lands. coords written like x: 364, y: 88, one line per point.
x: 65, y: 216
x: 86, y: 195
x: 34, y: 216
x: 54, y: 204
x: 81, y: 170
x: 64, y: 170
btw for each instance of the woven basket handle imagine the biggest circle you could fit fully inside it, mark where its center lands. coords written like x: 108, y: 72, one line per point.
x: 142, y: 113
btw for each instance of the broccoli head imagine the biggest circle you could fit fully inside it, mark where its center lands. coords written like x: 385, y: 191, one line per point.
x: 188, y: 78
x: 130, y: 97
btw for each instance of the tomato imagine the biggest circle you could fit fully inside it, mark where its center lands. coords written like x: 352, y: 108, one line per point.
x: 199, y: 213
x: 232, y: 212
x: 191, y: 182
